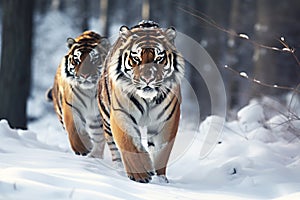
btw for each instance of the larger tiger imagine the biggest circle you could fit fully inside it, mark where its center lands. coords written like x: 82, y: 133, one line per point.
x: 140, y: 87
x: 75, y: 89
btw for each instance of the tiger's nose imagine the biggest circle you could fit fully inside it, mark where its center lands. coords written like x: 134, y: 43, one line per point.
x: 85, y: 75
x: 146, y: 79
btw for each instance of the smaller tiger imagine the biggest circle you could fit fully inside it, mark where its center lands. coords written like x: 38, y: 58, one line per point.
x: 74, y: 93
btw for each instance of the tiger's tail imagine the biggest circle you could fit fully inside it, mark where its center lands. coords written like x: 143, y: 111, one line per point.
x: 48, y: 95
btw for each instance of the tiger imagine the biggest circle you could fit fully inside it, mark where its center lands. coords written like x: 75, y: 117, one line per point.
x: 74, y: 93
x: 140, y: 87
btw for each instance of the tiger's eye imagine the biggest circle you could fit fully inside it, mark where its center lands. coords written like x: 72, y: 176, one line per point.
x: 76, y: 60
x: 159, y: 59
x: 136, y: 59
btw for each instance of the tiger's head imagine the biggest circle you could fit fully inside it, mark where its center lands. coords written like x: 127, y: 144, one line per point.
x: 83, y: 63
x: 148, y: 63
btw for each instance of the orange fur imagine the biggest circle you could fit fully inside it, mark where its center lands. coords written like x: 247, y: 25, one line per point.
x: 67, y: 104
x: 139, y: 86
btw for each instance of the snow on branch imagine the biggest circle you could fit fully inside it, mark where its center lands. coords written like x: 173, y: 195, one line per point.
x: 254, y: 80
x: 202, y: 17
x: 285, y: 48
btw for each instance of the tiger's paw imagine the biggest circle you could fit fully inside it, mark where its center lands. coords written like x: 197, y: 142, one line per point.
x: 162, y: 179
x: 96, y: 153
x: 79, y: 147
x: 118, y: 165
x: 141, y: 177
x: 82, y: 153
x: 80, y: 150
x: 138, y: 166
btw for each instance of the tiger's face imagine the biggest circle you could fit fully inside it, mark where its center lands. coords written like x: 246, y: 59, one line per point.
x: 149, y: 64
x: 83, y: 63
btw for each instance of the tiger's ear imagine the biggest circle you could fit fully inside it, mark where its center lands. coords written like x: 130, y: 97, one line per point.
x: 70, y: 42
x: 124, y: 32
x: 171, y: 33
x: 105, y: 43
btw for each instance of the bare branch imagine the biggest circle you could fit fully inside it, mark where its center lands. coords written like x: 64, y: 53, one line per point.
x: 244, y: 75
x: 201, y: 16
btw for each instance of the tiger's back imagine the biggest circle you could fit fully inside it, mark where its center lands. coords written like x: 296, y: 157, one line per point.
x: 74, y: 93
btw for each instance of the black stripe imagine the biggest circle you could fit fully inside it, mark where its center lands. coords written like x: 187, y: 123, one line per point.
x: 108, y: 133
x: 114, y: 149
x: 117, y: 159
x: 97, y: 119
x: 107, y: 128
x: 96, y: 141
x: 97, y: 134
x: 77, y: 110
x: 106, y: 124
x: 103, y: 108
x: 106, y: 90
x: 68, y: 74
x: 82, y: 93
x: 150, y: 144
x: 133, y: 119
x: 121, y: 75
x: 87, y: 40
x: 172, y: 112
x: 165, y: 108
x: 123, y: 111
x: 59, y: 102
x: 119, y: 67
x: 162, y: 96
x: 118, y: 102
x: 97, y: 126
x: 137, y: 130
x: 137, y: 104
x: 111, y: 143
x: 79, y: 97
x: 129, y: 115
x: 174, y: 61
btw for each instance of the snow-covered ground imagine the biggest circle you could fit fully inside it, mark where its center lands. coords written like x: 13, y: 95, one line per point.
x: 256, y: 157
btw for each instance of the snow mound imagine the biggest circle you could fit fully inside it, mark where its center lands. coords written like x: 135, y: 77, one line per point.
x: 256, y: 164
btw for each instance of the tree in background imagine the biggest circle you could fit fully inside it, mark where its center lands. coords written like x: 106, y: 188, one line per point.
x: 84, y: 14
x: 276, y: 19
x: 15, y: 71
x: 239, y: 53
x: 264, y: 21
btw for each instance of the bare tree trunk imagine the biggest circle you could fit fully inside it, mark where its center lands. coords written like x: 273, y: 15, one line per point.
x: 239, y: 52
x: 57, y: 5
x: 103, y: 17
x: 84, y: 13
x: 15, y: 71
x: 233, y: 86
x: 214, y: 43
x: 146, y: 10
x: 42, y: 6
x: 265, y: 68
x: 159, y: 10
x: 276, y: 18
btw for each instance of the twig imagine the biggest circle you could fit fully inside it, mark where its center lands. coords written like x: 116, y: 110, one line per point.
x: 208, y: 20
x: 244, y: 75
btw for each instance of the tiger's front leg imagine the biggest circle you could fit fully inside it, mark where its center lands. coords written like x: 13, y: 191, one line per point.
x: 80, y: 143
x: 161, y: 140
x: 135, y: 158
